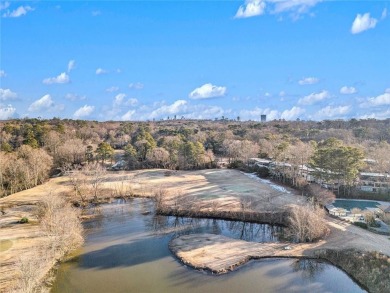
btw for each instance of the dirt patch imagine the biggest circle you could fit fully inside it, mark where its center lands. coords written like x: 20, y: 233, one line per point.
x: 5, y: 245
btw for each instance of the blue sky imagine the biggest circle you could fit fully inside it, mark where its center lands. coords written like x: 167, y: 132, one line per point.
x: 140, y: 60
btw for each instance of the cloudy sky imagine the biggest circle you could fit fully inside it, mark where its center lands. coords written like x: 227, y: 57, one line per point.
x: 140, y: 60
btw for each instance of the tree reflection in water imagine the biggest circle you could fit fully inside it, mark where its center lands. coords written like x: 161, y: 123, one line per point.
x: 117, y: 211
x: 309, y: 268
x: 235, y: 229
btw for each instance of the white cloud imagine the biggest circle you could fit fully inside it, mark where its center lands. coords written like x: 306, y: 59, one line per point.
x: 207, y: 91
x: 161, y: 110
x: 331, y: 112
x: 96, y: 12
x: 74, y: 97
x: 2, y: 73
x: 6, y: 112
x: 384, y: 14
x: 119, y: 103
x: 112, y: 89
x: 71, y: 65
x: 257, y: 7
x: 295, y: 6
x: 348, y: 90
x: 383, y: 99
x: 250, y: 8
x: 118, y: 100
x: 377, y: 115
x: 179, y: 106
x: 7, y: 94
x: 43, y: 103
x: 20, y: 11
x: 131, y: 102
x: 62, y: 78
x: 129, y: 115
x: 293, y: 113
x: 363, y: 23
x: 282, y: 94
x: 313, y: 98
x: 204, y: 112
x: 308, y: 80
x: 84, y: 111
x: 255, y: 114
x: 4, y: 5
x: 101, y: 71
x: 136, y: 86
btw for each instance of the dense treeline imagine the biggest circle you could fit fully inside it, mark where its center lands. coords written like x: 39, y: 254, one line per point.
x: 32, y: 148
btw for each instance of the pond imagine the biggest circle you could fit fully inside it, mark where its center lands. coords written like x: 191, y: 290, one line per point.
x: 126, y: 250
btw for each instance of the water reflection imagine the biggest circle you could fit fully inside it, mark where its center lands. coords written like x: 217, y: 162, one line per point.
x: 234, y: 229
x: 309, y: 268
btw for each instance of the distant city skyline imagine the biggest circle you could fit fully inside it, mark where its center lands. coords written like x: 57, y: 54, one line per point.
x: 145, y: 60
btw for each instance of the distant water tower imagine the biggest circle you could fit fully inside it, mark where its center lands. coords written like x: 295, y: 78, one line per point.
x: 263, y: 118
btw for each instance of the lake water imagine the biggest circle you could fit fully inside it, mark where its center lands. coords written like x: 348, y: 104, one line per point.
x: 126, y: 250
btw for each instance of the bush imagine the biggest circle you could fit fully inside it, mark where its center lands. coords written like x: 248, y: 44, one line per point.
x: 361, y: 225
x: 262, y: 172
x: 23, y: 220
x: 320, y: 195
x: 370, y: 217
x: 306, y: 223
x: 236, y: 165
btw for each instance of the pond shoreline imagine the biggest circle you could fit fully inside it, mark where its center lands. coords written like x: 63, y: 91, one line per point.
x: 219, y: 255
x: 272, y: 218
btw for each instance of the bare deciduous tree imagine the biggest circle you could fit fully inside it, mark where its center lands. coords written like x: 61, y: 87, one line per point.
x: 320, y: 195
x: 95, y: 173
x: 159, y: 157
x: 306, y: 223
x: 61, y: 225
x: 71, y: 152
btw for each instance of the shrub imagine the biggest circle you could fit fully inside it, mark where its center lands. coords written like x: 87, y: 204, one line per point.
x: 262, y: 172
x: 61, y: 225
x: 361, y: 225
x: 320, y: 195
x: 369, y: 217
x: 23, y: 220
x: 306, y: 223
x: 160, y: 196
